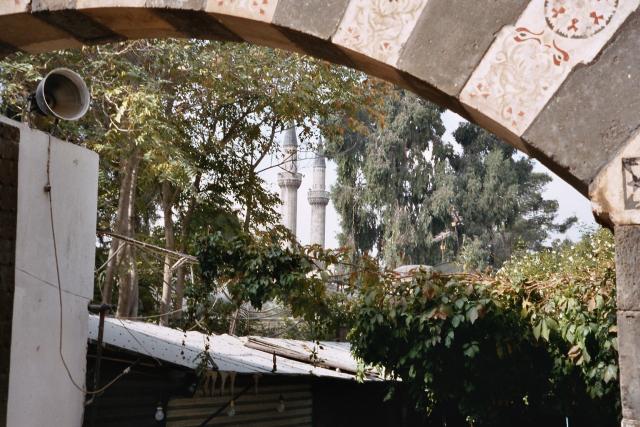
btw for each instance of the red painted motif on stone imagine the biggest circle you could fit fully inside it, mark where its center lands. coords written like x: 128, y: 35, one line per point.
x: 579, y: 19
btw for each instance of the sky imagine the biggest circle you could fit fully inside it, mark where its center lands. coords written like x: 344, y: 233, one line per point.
x: 571, y: 202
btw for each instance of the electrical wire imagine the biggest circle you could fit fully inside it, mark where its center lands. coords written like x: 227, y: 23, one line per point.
x: 48, y: 190
x: 153, y: 316
x: 124, y: 244
x: 148, y: 353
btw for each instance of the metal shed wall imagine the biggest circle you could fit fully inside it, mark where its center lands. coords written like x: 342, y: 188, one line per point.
x: 251, y: 409
x: 132, y: 400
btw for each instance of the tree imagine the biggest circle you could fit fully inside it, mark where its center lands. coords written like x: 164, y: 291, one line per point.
x: 499, y: 199
x: 181, y: 127
x: 411, y: 198
x: 387, y: 182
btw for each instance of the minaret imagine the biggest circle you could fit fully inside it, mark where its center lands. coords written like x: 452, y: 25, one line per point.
x: 289, y: 180
x: 318, y: 199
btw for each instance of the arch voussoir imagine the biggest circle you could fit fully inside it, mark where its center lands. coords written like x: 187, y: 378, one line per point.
x: 512, y: 67
x: 557, y: 79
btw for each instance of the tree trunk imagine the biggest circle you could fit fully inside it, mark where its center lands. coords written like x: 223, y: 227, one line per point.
x: 184, y: 234
x: 180, y: 276
x: 247, y: 226
x: 180, y: 272
x: 127, y: 274
x: 115, y: 261
x: 167, y: 207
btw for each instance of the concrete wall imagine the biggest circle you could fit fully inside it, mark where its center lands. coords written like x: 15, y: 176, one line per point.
x: 40, y: 391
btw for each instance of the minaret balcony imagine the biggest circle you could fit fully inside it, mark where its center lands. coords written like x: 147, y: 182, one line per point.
x: 318, y: 197
x: 289, y: 180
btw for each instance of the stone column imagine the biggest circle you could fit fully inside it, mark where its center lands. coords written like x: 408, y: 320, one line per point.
x: 289, y: 181
x: 628, y: 295
x: 615, y: 197
x: 318, y: 199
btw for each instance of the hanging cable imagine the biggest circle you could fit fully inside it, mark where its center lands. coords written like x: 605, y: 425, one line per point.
x: 148, y: 353
x: 48, y: 190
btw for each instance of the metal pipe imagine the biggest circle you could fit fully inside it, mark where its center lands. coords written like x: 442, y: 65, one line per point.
x: 102, y: 309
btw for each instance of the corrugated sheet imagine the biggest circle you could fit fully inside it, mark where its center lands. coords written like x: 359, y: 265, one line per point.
x: 228, y: 353
x: 332, y: 355
x: 251, y: 409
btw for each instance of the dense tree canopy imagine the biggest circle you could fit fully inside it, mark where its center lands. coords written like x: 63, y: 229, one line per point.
x: 181, y: 128
x: 412, y: 198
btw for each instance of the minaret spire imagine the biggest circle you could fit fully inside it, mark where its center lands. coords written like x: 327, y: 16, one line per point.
x: 289, y: 180
x: 318, y: 198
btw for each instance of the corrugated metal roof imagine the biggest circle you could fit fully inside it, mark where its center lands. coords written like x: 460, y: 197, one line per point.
x: 229, y: 353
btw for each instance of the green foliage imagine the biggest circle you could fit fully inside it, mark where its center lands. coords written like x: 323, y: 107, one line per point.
x: 568, y: 296
x: 413, y: 198
x: 498, y: 196
x: 262, y: 267
x: 536, y: 340
x: 387, y: 191
x: 201, y: 116
x: 531, y: 344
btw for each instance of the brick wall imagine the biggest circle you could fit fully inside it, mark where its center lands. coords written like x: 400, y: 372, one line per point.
x: 9, y: 140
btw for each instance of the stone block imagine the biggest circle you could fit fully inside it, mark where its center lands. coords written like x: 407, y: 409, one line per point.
x: 443, y: 54
x: 629, y: 362
x: 595, y: 111
x: 250, y: 9
x: 628, y: 267
x: 378, y: 28
x: 317, y: 18
x: 6, y: 49
x: 317, y: 48
x: 15, y: 6
x: 173, y: 4
x: 41, y: 5
x: 529, y: 61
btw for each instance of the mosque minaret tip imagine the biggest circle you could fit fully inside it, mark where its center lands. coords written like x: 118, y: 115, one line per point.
x: 289, y: 180
x: 318, y: 199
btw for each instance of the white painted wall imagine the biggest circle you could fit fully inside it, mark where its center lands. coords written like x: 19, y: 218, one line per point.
x: 40, y: 391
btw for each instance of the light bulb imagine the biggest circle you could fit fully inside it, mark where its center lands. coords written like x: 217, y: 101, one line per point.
x: 159, y: 413
x: 232, y: 409
x: 192, y: 388
x: 281, y: 406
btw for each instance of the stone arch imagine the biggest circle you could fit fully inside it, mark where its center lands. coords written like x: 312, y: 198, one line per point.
x: 556, y: 79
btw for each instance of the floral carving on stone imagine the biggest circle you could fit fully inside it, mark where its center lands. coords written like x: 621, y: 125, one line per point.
x: 260, y: 10
x: 379, y: 28
x: 502, y: 87
x: 579, y: 19
x: 528, y: 62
